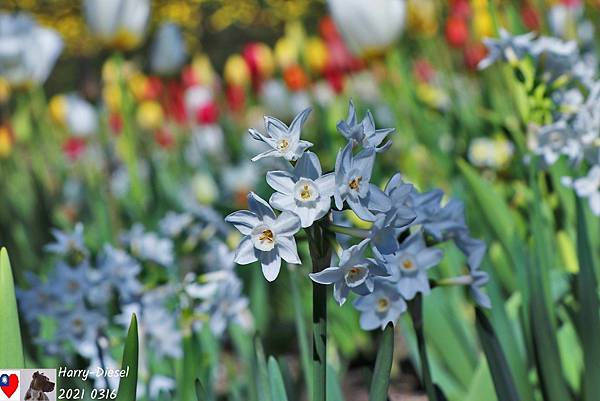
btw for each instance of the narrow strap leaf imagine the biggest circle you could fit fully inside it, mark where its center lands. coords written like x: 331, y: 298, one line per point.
x: 383, y: 365
x: 501, y: 374
x: 128, y: 383
x: 276, y: 381
x: 586, y: 286
x: 11, y: 346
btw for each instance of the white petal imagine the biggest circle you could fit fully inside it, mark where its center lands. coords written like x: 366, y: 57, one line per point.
x: 288, y: 250
x: 283, y: 202
x: 281, y: 181
x: 270, y: 263
x: 243, y: 220
x: 245, y: 253
x: 287, y: 224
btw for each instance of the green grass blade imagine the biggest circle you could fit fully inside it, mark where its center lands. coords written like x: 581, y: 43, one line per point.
x: 589, y: 321
x: 128, y: 384
x: 334, y: 391
x: 200, y: 391
x: 498, y: 365
x: 383, y: 366
x: 11, y: 356
x: 276, y: 381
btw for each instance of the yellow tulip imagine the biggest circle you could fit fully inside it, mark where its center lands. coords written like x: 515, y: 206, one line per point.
x: 150, y: 115
x: 138, y: 85
x: 286, y: 52
x: 316, y: 54
x: 57, y: 108
x: 203, y: 69
x: 236, y: 71
x: 4, y: 90
x: 111, y: 94
x: 5, y: 142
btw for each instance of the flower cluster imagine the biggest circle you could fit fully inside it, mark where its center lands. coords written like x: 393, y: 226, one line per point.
x: 571, y: 125
x: 389, y: 265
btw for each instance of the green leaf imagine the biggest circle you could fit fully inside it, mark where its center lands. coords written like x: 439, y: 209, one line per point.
x: 11, y: 356
x: 276, y: 381
x: 383, y: 366
x: 589, y: 322
x: 128, y: 384
x: 200, y: 391
x: 499, y: 369
x: 334, y: 391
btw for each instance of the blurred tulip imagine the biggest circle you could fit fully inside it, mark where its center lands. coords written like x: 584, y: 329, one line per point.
x: 164, y: 138
x: 27, y: 51
x: 422, y: 17
x: 197, y: 97
x: 462, y: 9
x: 457, y: 31
x: 169, y: 51
x: 74, y: 113
x: 295, y: 78
x: 473, y: 54
x: 316, y: 54
x: 4, y: 90
x: 530, y: 17
x: 236, y: 97
x: 368, y: 27
x: 286, y: 52
x: 111, y: 94
x: 203, y: 70
x: 6, y: 141
x: 204, y: 188
x: 236, y: 71
x: 117, y: 23
x: 259, y: 59
x: 149, y: 115
x: 115, y: 122
x: 483, y: 26
x: 207, y: 114
x: 74, y: 147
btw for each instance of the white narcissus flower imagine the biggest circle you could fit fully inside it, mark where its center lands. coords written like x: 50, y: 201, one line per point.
x: 117, y: 23
x: 589, y: 187
x: 284, y: 141
x: 369, y: 26
x: 168, y: 50
x: 81, y: 118
x: 363, y: 132
x: 267, y: 238
x: 409, y: 265
x: 305, y: 192
x: 384, y: 305
x: 27, y: 51
x: 352, y: 184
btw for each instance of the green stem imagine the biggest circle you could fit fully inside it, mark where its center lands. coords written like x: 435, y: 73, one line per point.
x: 415, y: 308
x: 320, y: 253
x: 301, y: 333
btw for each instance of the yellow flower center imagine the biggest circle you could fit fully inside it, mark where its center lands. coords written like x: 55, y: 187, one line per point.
x: 355, y: 183
x: 408, y: 264
x: 305, y: 192
x: 283, y: 144
x: 266, y: 236
x: 383, y: 304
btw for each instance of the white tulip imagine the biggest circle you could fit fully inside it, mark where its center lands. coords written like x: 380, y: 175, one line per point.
x: 81, y: 118
x: 368, y: 26
x: 27, y: 51
x: 168, y: 50
x: 118, y: 23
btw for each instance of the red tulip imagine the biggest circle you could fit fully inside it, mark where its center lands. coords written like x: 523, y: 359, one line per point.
x: 473, y: 54
x: 74, y: 147
x: 164, y: 138
x: 457, y: 31
x: 295, y: 78
x: 207, y: 114
x: 115, y: 121
x: 236, y: 97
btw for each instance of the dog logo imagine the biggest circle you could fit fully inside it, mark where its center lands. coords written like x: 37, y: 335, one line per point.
x: 41, y: 384
x: 10, y: 388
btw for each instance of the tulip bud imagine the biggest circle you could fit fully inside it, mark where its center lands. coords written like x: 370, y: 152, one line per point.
x: 74, y: 147
x: 457, y: 31
x: 164, y: 138
x: 286, y: 52
x: 236, y: 71
x: 149, y: 115
x: 236, y: 97
x: 57, y: 107
x: 295, y: 78
x: 6, y: 141
x: 316, y: 54
x: 259, y: 59
x: 208, y: 113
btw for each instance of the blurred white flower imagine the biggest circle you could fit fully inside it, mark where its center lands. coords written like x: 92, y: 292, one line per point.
x: 27, y: 51
x: 490, y: 153
x: 117, y: 23
x: 368, y: 26
x: 80, y: 116
x: 168, y: 50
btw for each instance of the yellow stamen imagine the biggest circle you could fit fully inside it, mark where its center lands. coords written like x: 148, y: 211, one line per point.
x: 267, y: 236
x: 355, y: 183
